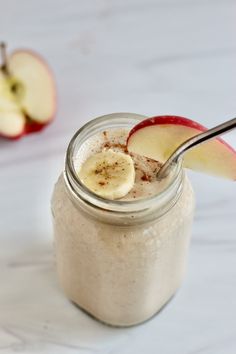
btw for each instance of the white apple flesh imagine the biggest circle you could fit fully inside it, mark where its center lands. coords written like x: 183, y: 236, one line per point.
x: 36, y: 94
x: 158, y: 137
x: 12, y: 120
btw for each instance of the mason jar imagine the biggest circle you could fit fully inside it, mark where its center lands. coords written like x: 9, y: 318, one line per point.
x: 120, y: 261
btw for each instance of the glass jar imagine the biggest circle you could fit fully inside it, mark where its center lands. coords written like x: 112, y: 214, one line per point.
x: 120, y: 261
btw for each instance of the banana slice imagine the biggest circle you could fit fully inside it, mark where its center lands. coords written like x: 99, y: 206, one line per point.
x: 109, y: 174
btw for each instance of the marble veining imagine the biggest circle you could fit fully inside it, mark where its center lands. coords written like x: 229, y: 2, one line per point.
x: 149, y: 57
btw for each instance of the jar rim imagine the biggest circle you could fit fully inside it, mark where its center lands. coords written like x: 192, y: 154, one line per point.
x: 81, y: 191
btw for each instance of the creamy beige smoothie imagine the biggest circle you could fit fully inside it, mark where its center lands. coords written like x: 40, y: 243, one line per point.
x: 122, y: 260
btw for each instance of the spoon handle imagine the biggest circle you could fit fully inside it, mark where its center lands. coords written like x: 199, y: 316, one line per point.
x: 194, y: 141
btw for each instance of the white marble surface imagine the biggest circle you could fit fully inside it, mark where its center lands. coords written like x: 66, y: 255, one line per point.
x: 143, y: 56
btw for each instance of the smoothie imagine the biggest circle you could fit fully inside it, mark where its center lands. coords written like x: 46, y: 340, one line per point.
x: 121, y: 261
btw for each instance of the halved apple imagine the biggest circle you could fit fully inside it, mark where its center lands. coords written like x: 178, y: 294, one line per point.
x: 27, y: 88
x: 159, y: 136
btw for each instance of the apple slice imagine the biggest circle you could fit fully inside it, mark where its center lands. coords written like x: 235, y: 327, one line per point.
x: 159, y: 136
x: 26, y: 87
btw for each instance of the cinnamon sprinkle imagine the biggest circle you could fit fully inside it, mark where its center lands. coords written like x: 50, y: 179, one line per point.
x: 104, y: 134
x: 110, y: 145
x: 101, y: 183
x: 145, y: 177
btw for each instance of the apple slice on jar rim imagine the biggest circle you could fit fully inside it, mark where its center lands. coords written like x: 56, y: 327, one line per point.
x: 158, y: 138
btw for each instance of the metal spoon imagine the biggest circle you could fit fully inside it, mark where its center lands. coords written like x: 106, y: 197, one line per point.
x: 192, y: 142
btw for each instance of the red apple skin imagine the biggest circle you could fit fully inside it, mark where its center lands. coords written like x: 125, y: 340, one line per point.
x: 30, y: 125
x: 175, y: 120
x: 33, y: 127
x: 16, y: 137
